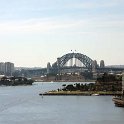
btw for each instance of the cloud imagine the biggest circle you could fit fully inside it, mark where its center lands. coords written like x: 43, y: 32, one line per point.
x: 96, y: 4
x: 57, y: 25
x: 35, y: 25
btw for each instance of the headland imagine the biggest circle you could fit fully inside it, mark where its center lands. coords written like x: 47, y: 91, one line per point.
x: 105, y: 85
x: 15, y: 81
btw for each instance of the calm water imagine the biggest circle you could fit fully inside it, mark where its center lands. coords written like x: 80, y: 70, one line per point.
x: 23, y: 105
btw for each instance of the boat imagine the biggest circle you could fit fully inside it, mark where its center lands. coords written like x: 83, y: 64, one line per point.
x: 95, y: 94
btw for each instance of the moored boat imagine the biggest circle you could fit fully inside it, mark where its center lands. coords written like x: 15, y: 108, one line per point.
x: 95, y: 94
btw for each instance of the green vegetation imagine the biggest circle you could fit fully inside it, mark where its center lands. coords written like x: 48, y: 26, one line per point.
x: 106, y: 84
x: 109, y: 82
x: 84, y: 93
x: 14, y: 81
x: 109, y: 78
x: 79, y: 87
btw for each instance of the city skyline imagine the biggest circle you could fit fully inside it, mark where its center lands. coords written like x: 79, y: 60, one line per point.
x: 33, y: 33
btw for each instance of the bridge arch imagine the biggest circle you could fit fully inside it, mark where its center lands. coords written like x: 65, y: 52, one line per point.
x: 83, y: 58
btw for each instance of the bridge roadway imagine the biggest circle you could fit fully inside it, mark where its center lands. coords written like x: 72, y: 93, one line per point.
x: 108, y: 69
x: 82, y: 69
x: 43, y: 71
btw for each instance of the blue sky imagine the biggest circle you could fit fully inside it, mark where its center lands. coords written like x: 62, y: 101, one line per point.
x: 34, y: 32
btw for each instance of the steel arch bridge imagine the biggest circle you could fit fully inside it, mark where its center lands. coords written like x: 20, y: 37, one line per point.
x: 60, y: 63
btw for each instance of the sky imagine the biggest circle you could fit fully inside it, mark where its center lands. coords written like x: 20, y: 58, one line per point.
x: 34, y: 32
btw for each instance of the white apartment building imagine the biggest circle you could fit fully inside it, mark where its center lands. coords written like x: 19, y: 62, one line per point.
x: 6, y: 68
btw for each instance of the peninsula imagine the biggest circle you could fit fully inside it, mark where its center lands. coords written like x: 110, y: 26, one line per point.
x: 15, y: 81
x: 104, y: 85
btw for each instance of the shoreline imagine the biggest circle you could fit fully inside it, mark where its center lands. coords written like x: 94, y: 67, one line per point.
x: 80, y: 93
x: 66, y: 81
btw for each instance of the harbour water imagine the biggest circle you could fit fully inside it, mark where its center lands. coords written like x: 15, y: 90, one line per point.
x: 23, y: 105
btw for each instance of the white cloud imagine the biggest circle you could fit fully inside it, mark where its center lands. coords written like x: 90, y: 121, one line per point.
x: 95, y: 4
x: 55, y: 25
x: 35, y: 25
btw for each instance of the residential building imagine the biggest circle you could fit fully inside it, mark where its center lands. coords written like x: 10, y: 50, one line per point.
x: 6, y: 68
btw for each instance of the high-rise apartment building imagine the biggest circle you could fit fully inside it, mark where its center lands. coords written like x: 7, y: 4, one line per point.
x: 6, y: 68
x: 2, y: 68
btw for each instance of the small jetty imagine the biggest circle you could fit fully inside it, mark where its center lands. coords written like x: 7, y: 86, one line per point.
x: 118, y: 101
